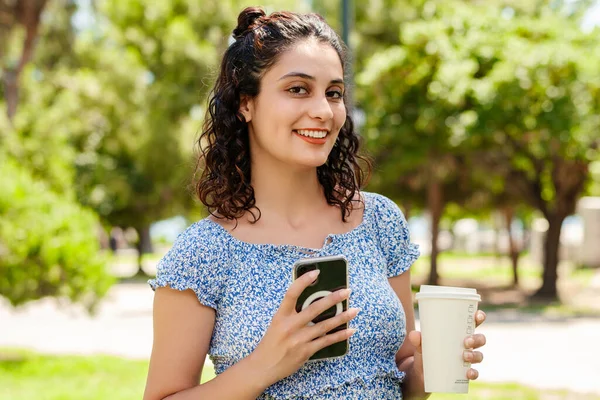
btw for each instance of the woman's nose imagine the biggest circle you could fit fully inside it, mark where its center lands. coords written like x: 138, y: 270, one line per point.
x: 320, y: 109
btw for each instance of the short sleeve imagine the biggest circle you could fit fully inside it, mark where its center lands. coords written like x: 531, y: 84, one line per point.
x: 194, y: 262
x: 394, y: 237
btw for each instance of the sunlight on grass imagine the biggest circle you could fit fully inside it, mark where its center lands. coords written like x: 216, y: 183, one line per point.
x: 25, y: 375
x: 486, y: 269
x: 495, y: 270
x: 583, y: 276
x: 511, y: 391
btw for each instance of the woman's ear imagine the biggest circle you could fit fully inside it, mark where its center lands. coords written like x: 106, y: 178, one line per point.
x: 245, y: 109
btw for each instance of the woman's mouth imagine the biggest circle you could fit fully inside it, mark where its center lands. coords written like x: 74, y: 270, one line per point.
x: 314, y: 136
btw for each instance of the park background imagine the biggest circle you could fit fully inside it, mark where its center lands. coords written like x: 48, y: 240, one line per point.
x: 482, y: 118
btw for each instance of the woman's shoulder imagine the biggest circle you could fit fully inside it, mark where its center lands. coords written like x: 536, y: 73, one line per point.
x: 381, y: 205
x: 386, y: 215
x: 207, y: 226
x: 197, y: 260
x: 203, y: 235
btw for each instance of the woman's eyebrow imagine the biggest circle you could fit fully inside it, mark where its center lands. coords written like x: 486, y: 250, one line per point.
x: 309, y: 77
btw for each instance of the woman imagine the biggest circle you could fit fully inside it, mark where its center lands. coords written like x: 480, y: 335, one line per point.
x: 281, y: 178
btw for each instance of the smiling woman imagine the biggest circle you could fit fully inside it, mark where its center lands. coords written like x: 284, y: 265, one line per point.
x: 281, y: 177
x: 281, y: 80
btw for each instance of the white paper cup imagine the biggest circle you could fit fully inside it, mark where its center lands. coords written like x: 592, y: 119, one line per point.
x: 447, y: 316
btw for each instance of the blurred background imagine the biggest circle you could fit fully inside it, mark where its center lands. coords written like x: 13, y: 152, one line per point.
x: 482, y: 118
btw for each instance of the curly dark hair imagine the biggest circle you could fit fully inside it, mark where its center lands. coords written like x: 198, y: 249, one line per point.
x: 224, y: 158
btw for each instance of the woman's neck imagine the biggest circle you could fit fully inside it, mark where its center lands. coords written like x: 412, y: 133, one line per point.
x: 285, y: 194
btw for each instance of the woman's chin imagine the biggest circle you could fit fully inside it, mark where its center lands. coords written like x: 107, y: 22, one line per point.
x: 313, y: 159
x: 313, y: 162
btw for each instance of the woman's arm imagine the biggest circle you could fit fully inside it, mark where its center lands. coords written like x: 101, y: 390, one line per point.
x: 182, y: 331
x: 183, y: 328
x: 413, y: 386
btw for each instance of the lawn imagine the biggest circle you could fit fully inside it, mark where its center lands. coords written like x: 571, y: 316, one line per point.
x: 492, y: 276
x: 27, y: 376
x: 494, y: 268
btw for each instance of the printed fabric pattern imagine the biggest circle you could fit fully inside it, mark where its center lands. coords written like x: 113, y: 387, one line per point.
x: 246, y: 282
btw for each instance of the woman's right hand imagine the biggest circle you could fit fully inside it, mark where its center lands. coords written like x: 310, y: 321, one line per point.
x: 290, y: 341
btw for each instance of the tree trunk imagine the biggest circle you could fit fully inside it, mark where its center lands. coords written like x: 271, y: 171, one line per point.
x: 435, y: 205
x: 497, y: 227
x: 28, y: 13
x: 513, y: 250
x: 11, y: 91
x: 549, y: 290
x: 144, y: 246
x: 8, y: 16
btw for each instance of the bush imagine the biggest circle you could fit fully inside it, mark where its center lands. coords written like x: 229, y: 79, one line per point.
x: 48, y: 243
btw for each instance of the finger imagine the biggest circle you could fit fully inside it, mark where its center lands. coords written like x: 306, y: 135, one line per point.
x: 414, y: 337
x: 323, y: 327
x: 474, y: 357
x: 328, y: 340
x: 472, y: 374
x: 296, y: 288
x: 476, y: 341
x: 316, y: 308
x: 480, y: 318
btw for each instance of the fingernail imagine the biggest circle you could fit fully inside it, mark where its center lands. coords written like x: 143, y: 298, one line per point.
x: 481, y: 316
x: 345, y: 292
x: 467, y: 355
x: 314, y: 273
x: 470, y: 342
x: 354, y: 311
x: 351, y: 331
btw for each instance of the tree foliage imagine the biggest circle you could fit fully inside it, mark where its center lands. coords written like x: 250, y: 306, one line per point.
x: 48, y: 242
x: 515, y: 98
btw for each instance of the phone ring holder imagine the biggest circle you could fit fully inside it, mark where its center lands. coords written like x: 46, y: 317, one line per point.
x: 318, y: 295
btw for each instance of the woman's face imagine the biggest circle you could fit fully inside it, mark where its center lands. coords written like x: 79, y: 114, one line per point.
x: 299, y: 111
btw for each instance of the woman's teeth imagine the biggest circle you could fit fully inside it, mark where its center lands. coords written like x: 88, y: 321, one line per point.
x: 313, y: 134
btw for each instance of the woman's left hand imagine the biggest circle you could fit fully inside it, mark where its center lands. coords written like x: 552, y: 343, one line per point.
x: 470, y: 355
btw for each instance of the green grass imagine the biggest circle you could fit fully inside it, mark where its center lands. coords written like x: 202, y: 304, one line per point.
x: 512, y: 391
x: 488, y: 269
x: 583, y: 276
x: 496, y: 270
x: 494, y: 274
x: 26, y: 376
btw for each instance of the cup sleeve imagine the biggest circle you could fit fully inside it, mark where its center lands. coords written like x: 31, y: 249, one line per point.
x: 394, y: 237
x: 192, y: 263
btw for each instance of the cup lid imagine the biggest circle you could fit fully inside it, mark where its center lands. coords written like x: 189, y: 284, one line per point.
x: 447, y: 292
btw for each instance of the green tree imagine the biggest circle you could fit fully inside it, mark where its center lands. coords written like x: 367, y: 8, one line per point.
x: 539, y: 104
x: 123, y: 101
x: 48, y: 242
x: 413, y: 136
x: 520, y: 89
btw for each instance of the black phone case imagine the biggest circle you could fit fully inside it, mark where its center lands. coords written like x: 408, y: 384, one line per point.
x: 333, y: 276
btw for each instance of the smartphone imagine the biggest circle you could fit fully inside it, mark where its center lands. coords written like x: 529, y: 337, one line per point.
x: 333, y: 276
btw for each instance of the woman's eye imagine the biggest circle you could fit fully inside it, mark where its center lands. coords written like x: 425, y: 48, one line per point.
x: 298, y: 90
x: 336, y: 94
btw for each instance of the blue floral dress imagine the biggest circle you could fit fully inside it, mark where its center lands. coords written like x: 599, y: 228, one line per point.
x: 246, y: 282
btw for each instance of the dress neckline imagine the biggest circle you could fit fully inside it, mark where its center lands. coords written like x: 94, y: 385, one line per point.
x: 328, y: 241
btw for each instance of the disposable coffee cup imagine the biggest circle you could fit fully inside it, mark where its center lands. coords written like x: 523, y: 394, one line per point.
x: 447, y: 316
